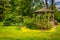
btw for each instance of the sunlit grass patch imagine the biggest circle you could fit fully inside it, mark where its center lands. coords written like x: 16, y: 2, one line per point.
x: 24, y: 29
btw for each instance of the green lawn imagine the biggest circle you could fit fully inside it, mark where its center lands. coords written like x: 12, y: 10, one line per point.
x: 13, y: 33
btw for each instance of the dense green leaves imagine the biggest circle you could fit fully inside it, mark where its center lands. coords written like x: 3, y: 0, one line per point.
x: 57, y: 16
x: 15, y: 8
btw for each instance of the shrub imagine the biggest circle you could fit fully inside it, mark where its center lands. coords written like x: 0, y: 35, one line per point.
x: 29, y: 22
x: 57, y: 16
x: 12, y: 19
x: 37, y: 23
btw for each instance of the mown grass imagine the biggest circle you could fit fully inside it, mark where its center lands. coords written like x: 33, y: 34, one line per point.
x: 15, y: 33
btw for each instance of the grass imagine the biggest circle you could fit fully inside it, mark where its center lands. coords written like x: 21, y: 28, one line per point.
x: 15, y: 33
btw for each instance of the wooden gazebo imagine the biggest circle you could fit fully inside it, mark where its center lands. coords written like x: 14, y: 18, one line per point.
x: 44, y: 10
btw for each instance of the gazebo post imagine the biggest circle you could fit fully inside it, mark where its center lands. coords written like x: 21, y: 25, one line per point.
x: 48, y: 18
x: 47, y: 13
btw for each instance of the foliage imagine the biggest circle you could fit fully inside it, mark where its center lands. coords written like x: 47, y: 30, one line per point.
x: 29, y: 22
x: 25, y: 8
x: 36, y: 4
x: 15, y: 9
x: 43, y: 22
x: 57, y: 16
x: 1, y: 10
x: 36, y: 22
x: 12, y: 19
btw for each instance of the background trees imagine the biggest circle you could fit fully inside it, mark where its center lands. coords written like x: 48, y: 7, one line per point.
x: 36, y: 4
x: 18, y: 12
x: 14, y: 9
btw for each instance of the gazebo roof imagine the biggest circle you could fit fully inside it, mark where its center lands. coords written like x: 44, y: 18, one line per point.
x: 43, y: 9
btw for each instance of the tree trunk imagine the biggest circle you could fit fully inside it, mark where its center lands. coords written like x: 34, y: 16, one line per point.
x: 52, y: 4
x: 46, y: 3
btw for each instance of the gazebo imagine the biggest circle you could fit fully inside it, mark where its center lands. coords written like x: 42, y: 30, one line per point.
x: 46, y: 11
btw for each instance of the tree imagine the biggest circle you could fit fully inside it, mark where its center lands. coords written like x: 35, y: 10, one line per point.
x: 16, y: 8
x: 52, y: 4
x: 37, y: 4
x: 25, y: 8
x: 46, y: 3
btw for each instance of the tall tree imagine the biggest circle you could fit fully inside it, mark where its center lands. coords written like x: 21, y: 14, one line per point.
x: 52, y: 4
x: 46, y: 3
